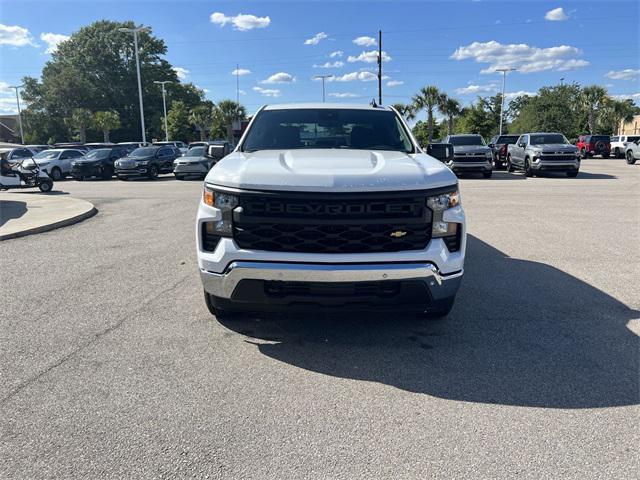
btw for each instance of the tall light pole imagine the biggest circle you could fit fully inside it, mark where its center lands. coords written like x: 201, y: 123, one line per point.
x: 164, y: 106
x: 135, y: 32
x: 323, y: 77
x: 504, y: 80
x: 16, y: 87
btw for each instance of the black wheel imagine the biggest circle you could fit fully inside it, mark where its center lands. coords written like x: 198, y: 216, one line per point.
x: 510, y: 167
x: 487, y: 174
x: 56, y: 174
x: 45, y: 185
x: 617, y: 153
x: 153, y: 172
x: 584, y: 154
x: 630, y: 159
x: 107, y: 173
x: 572, y: 174
x: 527, y: 168
x: 216, y: 311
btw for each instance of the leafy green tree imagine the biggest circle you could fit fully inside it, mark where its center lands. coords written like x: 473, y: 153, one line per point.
x: 95, y: 69
x: 80, y: 120
x: 178, y: 122
x: 594, y: 98
x: 427, y: 99
x: 105, y: 122
x: 225, y: 113
x: 201, y: 116
x: 618, y: 112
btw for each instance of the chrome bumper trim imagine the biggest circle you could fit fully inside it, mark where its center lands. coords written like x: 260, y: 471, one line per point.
x: 223, y: 284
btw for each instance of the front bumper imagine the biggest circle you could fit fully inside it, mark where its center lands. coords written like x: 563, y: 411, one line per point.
x: 86, y: 170
x: 132, y: 172
x: 458, y: 166
x: 555, y: 165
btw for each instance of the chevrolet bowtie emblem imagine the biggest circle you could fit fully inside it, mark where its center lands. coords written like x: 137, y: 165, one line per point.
x: 398, y: 234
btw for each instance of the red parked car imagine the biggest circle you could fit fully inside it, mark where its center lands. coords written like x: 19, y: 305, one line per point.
x: 590, y: 145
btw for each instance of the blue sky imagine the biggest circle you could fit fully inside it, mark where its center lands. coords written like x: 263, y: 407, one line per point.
x: 454, y: 45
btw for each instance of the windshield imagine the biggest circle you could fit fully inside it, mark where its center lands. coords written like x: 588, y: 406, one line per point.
x: 143, y: 152
x: 467, y: 140
x: 556, y: 138
x: 98, y: 154
x: 599, y: 138
x: 195, y: 152
x: 327, y: 128
x: 47, y: 154
x: 632, y: 139
x: 509, y: 140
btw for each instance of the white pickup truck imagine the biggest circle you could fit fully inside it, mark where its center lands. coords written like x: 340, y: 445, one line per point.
x: 325, y: 205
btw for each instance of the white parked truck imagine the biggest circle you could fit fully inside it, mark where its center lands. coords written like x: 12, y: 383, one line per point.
x: 330, y: 205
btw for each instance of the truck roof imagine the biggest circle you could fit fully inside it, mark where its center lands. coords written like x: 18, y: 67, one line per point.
x: 345, y: 106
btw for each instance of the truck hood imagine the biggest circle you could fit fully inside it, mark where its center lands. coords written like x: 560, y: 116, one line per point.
x: 334, y: 170
x: 554, y: 147
x: 471, y: 149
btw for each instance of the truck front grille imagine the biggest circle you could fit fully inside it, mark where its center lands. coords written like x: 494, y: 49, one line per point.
x: 330, y: 223
x: 469, y: 158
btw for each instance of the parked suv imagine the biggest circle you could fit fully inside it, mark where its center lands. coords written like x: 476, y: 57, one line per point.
x: 470, y: 155
x: 543, y: 152
x: 55, y: 162
x: 147, y: 162
x: 330, y: 205
x: 619, y: 144
x: 590, y: 145
x: 499, y: 145
x: 183, y: 147
x: 97, y: 163
x: 632, y: 151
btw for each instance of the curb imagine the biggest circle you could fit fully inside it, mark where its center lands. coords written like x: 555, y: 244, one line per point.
x: 52, y: 226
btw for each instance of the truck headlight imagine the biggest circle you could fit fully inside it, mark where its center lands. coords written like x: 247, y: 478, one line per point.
x: 225, y: 202
x: 438, y: 204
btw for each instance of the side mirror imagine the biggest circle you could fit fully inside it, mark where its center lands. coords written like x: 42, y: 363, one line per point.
x: 216, y: 152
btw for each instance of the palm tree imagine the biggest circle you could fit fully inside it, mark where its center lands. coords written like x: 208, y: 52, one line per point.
x: 427, y: 98
x: 201, y: 116
x: 79, y: 122
x: 105, y: 122
x: 450, y: 108
x: 406, y: 111
x: 226, y: 112
x: 594, y: 98
x: 622, y: 112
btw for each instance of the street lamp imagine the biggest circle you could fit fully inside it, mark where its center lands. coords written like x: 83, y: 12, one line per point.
x: 504, y: 79
x: 16, y: 87
x: 323, y: 77
x: 164, y: 106
x: 135, y: 32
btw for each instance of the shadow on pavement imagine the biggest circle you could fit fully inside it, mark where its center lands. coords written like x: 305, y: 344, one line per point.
x: 10, y: 210
x: 521, y: 333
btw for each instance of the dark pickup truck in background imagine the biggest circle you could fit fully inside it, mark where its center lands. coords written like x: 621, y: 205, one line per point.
x: 499, y: 145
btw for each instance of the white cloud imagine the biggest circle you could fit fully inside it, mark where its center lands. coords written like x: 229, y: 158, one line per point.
x: 280, y: 77
x: 624, y: 96
x: 364, y: 76
x: 181, y: 72
x: 521, y: 56
x: 556, y: 15
x: 473, y: 89
x: 4, y: 87
x: 316, y: 39
x: 520, y: 93
x: 205, y: 90
x: 242, y: 92
x: 241, y: 71
x: 240, y: 22
x: 343, y: 95
x: 52, y: 40
x: 267, y: 92
x: 336, y: 54
x: 369, y: 57
x: 8, y: 106
x: 365, y: 41
x: 15, y: 36
x: 394, y: 83
x: 336, y: 64
x: 626, y: 74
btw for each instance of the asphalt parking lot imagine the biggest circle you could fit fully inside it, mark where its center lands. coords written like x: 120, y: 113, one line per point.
x: 111, y: 366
